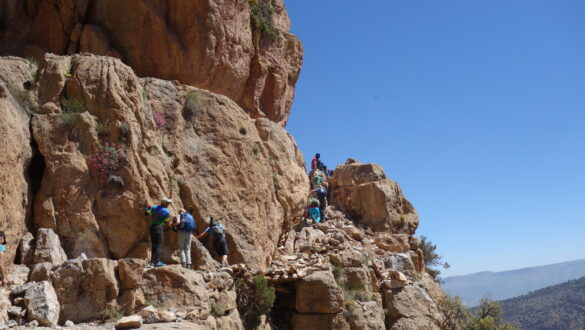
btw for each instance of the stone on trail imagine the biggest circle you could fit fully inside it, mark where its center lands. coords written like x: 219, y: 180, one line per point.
x: 42, y: 304
x: 133, y: 321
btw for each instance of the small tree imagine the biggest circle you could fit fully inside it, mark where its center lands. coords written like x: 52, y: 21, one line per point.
x: 455, y: 315
x: 488, y: 316
x: 432, y: 258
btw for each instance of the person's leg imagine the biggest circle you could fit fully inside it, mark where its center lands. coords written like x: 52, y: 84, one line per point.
x: 158, y: 242
x: 153, y: 240
x: 187, y: 249
x: 181, y: 244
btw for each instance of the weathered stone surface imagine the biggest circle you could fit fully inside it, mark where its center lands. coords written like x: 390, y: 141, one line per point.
x: 347, y: 258
x: 318, y: 293
x: 247, y: 173
x: 4, y: 305
x: 17, y: 274
x: 230, y: 321
x: 364, y: 192
x: 133, y: 321
x: 149, y: 315
x: 391, y: 242
x: 422, y: 323
x: 48, y: 248
x: 85, y: 289
x: 319, y: 321
x: 400, y: 262
x: 232, y: 58
x: 367, y: 315
x: 41, y: 272
x: 410, y: 302
x: 306, y: 239
x: 201, y: 258
x: 15, y: 149
x: 167, y: 316
x: 130, y: 272
x: 175, y: 286
x: 358, y: 278
x: 42, y: 304
x: 431, y: 287
x: 25, y: 249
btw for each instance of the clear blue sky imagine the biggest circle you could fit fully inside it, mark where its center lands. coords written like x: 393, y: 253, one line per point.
x: 476, y: 108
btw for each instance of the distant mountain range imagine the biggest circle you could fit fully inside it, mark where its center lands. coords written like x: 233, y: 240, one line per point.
x: 512, y: 283
x: 555, y: 307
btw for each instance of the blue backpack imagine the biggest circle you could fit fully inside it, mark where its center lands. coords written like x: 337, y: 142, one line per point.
x: 187, y: 223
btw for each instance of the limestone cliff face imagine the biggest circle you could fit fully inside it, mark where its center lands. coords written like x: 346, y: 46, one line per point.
x: 211, y: 44
x: 163, y: 139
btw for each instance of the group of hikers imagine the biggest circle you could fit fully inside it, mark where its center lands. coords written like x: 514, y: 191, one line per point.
x: 319, y: 190
x: 184, y: 224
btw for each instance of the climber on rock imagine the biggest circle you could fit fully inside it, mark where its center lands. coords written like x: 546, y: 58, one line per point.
x: 217, y: 231
x: 2, y: 252
x: 184, y: 224
x: 318, y: 181
x: 321, y: 194
x: 315, y: 162
x: 314, y: 212
x: 159, y: 216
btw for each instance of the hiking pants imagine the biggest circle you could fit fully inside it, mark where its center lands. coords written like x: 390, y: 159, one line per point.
x: 157, y: 235
x: 185, y: 246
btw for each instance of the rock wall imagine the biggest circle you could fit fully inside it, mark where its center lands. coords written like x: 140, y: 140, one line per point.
x: 211, y: 44
x: 167, y: 139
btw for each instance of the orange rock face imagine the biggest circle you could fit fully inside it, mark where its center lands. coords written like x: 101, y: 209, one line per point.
x: 169, y: 140
x: 211, y: 44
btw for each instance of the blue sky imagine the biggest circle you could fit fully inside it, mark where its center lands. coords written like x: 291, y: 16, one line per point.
x: 476, y: 108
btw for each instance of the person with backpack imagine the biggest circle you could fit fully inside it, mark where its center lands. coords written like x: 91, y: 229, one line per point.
x: 184, y: 224
x: 159, y: 216
x: 217, y: 231
x: 321, y: 194
x: 4, y: 281
x: 314, y: 212
x: 315, y: 162
x: 317, y: 181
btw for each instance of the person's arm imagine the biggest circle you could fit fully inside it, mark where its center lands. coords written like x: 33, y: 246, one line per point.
x: 2, y: 271
x: 147, y: 210
x: 203, y: 233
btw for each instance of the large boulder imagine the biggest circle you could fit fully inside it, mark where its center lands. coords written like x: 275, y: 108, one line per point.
x: 365, y: 193
x: 318, y: 293
x: 413, y: 303
x: 48, y: 248
x: 367, y: 315
x: 199, y: 148
x: 209, y: 44
x: 42, y: 304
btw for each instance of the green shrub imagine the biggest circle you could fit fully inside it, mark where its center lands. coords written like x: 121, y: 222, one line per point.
x: 21, y: 95
x: 338, y: 272
x: 102, y: 127
x: 254, y: 300
x: 432, y: 258
x: 124, y: 130
x: 73, y: 105
x: 455, y: 315
x: 217, y: 309
x: 261, y: 13
x: 353, y: 294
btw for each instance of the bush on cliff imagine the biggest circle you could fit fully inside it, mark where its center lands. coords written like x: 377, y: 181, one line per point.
x: 432, y: 258
x: 261, y: 13
x: 254, y: 300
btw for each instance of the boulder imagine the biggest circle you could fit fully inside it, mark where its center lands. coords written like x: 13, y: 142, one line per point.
x: 167, y: 316
x: 358, y: 278
x: 149, y: 315
x: 230, y: 321
x: 4, y: 305
x: 306, y: 238
x: 367, y: 315
x: 347, y: 258
x: 354, y: 232
x: 391, y: 242
x: 236, y: 59
x: 25, y: 249
x: 41, y: 272
x: 431, y: 287
x: 100, y: 286
x: 175, y: 286
x: 363, y: 192
x: 17, y: 274
x: 201, y: 258
x: 318, y: 293
x: 130, y: 272
x: 133, y: 321
x: 410, y: 302
x: 48, y: 248
x: 400, y: 262
x: 42, y: 304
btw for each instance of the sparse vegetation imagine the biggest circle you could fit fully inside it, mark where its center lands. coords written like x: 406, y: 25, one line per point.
x: 353, y: 294
x: 112, y: 313
x: 275, y: 181
x: 21, y: 95
x: 254, y: 300
x: 487, y: 316
x: 73, y: 105
x: 217, y: 309
x: 256, y: 149
x: 338, y: 272
x: 179, y: 182
x: 261, y: 12
x: 124, y: 130
x: 432, y: 258
x: 107, y: 160
x: 192, y: 103
x: 102, y: 127
x: 32, y: 61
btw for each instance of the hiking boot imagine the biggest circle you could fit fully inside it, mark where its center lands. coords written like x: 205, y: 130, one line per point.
x: 159, y: 264
x: 224, y: 264
x: 149, y: 265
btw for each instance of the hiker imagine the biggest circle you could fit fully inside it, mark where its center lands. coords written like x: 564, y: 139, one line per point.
x: 317, y: 181
x: 220, y: 244
x: 315, y: 162
x: 314, y: 212
x: 2, y: 251
x: 159, y: 216
x: 321, y: 194
x: 184, y: 223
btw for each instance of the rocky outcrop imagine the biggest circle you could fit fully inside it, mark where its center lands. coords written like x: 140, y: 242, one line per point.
x: 211, y: 44
x: 364, y: 192
x: 166, y: 139
x: 42, y: 304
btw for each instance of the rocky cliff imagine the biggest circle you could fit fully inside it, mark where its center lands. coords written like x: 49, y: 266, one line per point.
x: 238, y: 48
x: 188, y: 103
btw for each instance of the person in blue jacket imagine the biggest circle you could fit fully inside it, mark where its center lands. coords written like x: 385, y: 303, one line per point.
x: 159, y: 216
